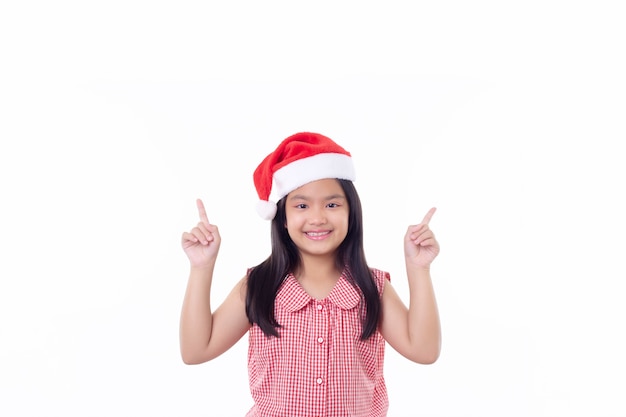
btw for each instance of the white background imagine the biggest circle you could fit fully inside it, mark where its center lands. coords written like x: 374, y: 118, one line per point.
x: 508, y: 116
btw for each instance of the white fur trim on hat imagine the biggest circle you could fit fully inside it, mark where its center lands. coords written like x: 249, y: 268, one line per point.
x: 313, y: 168
x: 266, y: 209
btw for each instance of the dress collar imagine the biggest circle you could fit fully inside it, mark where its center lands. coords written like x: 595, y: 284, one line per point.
x: 293, y: 297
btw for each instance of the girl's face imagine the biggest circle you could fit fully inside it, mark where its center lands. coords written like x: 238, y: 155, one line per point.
x: 317, y: 217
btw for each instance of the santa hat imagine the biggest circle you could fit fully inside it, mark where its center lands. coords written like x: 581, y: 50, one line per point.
x: 301, y: 158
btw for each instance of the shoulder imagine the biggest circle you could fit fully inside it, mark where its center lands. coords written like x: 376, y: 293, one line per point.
x: 380, y: 274
x: 380, y: 277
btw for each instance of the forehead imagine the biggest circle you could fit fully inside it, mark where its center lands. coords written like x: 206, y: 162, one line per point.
x: 320, y: 188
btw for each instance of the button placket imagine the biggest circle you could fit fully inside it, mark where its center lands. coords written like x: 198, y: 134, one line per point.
x: 322, y: 328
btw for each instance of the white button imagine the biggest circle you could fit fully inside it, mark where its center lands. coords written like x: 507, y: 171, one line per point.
x: 319, y: 307
x: 319, y: 381
x: 320, y: 340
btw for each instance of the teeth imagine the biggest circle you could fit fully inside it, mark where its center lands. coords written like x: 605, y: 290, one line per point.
x: 317, y: 233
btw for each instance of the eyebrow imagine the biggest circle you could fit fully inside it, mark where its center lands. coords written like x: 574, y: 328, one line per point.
x: 330, y: 197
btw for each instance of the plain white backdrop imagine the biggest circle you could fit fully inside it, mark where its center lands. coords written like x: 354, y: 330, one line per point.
x: 507, y: 116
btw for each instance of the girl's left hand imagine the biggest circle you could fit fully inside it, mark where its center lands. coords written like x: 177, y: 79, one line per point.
x: 420, y: 245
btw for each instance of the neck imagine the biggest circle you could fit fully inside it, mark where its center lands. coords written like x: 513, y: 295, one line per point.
x: 316, y: 267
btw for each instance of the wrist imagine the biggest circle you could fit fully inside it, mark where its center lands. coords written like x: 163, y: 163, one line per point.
x: 418, y: 270
x: 201, y: 270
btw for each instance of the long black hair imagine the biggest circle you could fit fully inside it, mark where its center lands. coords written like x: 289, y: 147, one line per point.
x: 265, y: 279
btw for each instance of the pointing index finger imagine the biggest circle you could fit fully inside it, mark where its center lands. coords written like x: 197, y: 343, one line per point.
x: 202, y: 212
x: 429, y: 215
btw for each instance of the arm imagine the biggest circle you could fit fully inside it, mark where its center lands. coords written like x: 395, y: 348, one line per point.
x: 415, y: 332
x: 204, y: 334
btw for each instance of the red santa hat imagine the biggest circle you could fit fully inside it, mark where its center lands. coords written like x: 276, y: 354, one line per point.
x: 301, y: 158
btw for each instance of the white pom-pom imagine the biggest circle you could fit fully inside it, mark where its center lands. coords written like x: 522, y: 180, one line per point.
x: 266, y: 209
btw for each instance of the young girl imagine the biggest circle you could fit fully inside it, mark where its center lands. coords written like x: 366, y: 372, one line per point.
x: 317, y: 316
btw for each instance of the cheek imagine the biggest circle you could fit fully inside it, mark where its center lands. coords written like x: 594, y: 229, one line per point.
x: 293, y: 219
x: 342, y: 218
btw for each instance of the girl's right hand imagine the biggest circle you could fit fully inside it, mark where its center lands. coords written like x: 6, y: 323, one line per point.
x: 202, y: 243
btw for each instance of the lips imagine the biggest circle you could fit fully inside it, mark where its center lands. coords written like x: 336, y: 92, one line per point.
x: 317, y: 235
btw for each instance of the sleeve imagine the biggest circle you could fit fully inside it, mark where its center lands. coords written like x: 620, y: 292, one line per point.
x: 380, y: 277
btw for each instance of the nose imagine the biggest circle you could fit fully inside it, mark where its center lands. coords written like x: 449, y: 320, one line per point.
x: 317, y: 216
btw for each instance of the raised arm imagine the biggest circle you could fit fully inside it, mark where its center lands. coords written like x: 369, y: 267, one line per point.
x: 205, y: 334
x: 415, y: 332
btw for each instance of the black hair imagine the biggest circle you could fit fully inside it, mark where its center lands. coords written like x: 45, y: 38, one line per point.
x: 265, y: 279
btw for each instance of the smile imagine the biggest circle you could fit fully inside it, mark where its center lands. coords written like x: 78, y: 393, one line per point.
x: 317, y: 235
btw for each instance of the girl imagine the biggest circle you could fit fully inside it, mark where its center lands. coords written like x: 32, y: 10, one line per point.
x: 317, y: 316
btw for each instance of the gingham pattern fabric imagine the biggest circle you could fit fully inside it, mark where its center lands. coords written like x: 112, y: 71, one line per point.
x: 318, y: 367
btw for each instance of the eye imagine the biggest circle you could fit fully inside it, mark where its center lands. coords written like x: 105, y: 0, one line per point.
x: 333, y: 205
x: 301, y: 206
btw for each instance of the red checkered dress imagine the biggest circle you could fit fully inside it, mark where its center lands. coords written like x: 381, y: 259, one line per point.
x: 318, y: 366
